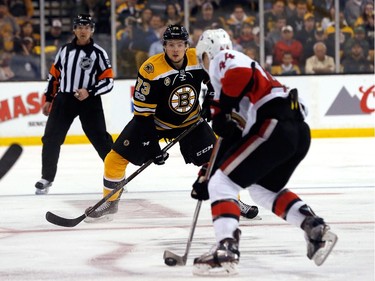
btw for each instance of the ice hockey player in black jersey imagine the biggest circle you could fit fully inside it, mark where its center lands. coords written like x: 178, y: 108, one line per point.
x: 166, y: 102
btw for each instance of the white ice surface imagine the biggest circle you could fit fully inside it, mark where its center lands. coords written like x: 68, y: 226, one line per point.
x: 337, y: 179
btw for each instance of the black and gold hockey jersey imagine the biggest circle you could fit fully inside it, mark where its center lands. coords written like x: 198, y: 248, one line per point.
x: 171, y: 95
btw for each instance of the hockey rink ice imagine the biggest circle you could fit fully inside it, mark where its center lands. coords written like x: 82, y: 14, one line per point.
x: 337, y: 179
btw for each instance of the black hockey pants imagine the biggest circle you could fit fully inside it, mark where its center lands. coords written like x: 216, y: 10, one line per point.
x: 271, y: 151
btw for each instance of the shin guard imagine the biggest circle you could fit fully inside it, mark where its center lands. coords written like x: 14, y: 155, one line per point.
x: 114, y: 173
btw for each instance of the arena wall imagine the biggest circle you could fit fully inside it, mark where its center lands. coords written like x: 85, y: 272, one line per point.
x: 338, y: 106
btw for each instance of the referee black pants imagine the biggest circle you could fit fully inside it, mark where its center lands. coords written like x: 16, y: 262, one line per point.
x: 65, y: 109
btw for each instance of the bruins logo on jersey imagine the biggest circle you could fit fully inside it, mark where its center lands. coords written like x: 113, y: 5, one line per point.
x: 149, y: 68
x: 167, y: 81
x: 183, y: 99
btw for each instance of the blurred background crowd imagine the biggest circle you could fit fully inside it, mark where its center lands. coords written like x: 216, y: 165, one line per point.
x: 289, y: 37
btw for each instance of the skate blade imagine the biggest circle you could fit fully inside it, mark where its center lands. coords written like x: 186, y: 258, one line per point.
x: 257, y: 218
x: 43, y: 191
x: 226, y: 269
x: 102, y: 219
x: 321, y: 255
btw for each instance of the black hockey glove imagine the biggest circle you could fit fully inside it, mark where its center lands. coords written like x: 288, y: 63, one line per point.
x: 200, y: 186
x: 223, y: 125
x: 160, y: 158
x: 200, y: 190
x: 206, y: 111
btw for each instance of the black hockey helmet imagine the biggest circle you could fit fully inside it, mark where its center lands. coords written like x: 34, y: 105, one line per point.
x: 83, y: 19
x: 175, y: 32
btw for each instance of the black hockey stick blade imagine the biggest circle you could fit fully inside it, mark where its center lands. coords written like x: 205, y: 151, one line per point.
x: 57, y: 220
x: 9, y: 158
x: 178, y: 260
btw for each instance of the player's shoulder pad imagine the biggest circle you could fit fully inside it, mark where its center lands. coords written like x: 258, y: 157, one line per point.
x: 192, y: 56
x: 154, y: 66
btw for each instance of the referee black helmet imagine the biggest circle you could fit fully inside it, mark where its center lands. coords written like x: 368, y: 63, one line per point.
x: 83, y: 19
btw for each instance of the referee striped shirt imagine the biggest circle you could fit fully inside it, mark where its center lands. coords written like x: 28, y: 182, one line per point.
x: 76, y: 67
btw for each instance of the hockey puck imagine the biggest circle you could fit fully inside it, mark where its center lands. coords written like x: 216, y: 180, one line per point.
x: 170, y: 261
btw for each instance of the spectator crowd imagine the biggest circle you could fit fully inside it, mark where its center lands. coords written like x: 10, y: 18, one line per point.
x: 299, y: 35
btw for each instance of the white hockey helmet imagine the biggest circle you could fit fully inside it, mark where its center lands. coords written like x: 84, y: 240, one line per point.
x: 212, y: 41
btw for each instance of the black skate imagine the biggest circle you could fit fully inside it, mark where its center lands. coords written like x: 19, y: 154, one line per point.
x: 104, y: 212
x: 248, y: 211
x: 42, y: 187
x: 320, y: 241
x: 222, y: 259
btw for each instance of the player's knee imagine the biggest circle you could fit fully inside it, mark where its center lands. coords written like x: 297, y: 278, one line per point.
x: 262, y: 196
x: 114, y: 165
x: 222, y: 187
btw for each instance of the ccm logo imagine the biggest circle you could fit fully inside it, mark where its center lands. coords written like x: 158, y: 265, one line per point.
x: 204, y: 150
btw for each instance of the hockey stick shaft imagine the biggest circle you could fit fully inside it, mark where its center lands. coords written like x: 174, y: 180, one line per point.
x: 199, y: 203
x: 57, y: 220
x: 181, y: 260
x: 9, y: 158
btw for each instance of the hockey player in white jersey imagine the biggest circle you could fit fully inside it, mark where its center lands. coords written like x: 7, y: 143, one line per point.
x: 274, y: 140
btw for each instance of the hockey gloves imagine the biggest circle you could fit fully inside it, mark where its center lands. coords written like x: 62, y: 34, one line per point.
x: 206, y: 111
x: 223, y: 125
x: 222, y: 122
x: 200, y: 190
x: 160, y: 158
x: 200, y: 186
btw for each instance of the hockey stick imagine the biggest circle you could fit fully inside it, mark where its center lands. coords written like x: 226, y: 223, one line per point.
x: 57, y: 220
x: 9, y: 158
x: 172, y: 259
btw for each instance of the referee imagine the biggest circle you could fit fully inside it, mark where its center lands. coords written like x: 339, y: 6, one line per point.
x: 80, y: 74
